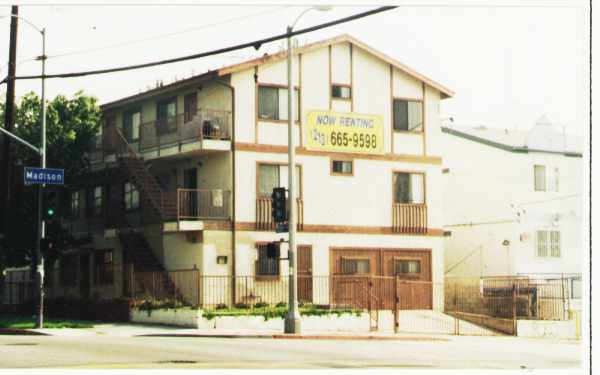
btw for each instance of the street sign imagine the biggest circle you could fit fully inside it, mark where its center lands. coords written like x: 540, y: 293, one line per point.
x: 49, y: 176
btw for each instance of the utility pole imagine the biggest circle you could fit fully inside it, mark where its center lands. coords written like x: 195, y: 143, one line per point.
x: 9, y: 121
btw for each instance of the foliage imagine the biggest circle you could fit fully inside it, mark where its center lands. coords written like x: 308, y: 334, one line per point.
x: 152, y: 304
x: 28, y: 322
x: 277, y: 311
x: 71, y: 126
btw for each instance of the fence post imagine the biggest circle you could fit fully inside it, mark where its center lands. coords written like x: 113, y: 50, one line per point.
x: 396, y: 306
x: 514, y: 308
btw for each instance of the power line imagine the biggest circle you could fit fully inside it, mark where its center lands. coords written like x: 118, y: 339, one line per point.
x: 256, y: 44
x: 161, y: 36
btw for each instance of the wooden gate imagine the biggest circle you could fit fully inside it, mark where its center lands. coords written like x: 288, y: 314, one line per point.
x: 305, y: 281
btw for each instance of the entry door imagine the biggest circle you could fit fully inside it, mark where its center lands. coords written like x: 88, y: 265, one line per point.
x: 190, y: 197
x: 84, y: 275
x: 305, y: 282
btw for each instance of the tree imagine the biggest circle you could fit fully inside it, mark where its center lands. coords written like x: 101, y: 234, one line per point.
x: 71, y: 127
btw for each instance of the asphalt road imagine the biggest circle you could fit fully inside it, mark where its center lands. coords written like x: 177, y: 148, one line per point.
x: 176, y: 352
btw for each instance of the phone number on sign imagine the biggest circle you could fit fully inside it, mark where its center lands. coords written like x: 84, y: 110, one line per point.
x: 354, y: 140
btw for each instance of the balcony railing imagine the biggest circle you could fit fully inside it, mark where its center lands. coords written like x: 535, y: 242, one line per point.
x: 409, y: 218
x: 185, y: 128
x: 203, y: 204
x: 264, y: 220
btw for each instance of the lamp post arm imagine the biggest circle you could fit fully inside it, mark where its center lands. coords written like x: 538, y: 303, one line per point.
x: 21, y: 140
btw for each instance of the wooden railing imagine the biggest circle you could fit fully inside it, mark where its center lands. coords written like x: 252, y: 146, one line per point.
x: 203, y: 204
x: 264, y: 220
x: 409, y: 218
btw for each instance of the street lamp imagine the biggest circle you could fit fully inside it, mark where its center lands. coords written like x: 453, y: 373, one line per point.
x: 42, y: 152
x: 292, y: 318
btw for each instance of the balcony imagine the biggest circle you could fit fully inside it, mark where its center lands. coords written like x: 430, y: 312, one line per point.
x: 194, y: 206
x: 207, y: 130
x: 409, y: 218
x: 264, y: 219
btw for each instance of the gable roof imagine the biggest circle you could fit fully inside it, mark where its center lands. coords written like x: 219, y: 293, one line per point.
x: 270, y: 58
x: 344, y: 38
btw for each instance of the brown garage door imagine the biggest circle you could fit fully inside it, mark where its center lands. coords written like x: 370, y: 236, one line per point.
x: 363, y: 277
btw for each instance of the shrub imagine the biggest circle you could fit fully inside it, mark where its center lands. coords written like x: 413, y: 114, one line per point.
x: 241, y: 306
x: 260, y: 305
x: 281, y: 304
x: 221, y: 306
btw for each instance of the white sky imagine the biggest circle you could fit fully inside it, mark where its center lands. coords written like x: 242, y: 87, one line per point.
x: 507, y: 64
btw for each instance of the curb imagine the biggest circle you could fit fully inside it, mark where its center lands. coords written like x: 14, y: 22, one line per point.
x: 21, y: 332
x: 296, y: 337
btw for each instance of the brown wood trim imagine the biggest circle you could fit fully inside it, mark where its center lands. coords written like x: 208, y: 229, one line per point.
x: 256, y: 104
x: 300, y: 141
x: 351, y: 80
x: 329, y: 64
x: 423, y: 117
x: 278, y: 149
x: 347, y: 229
x: 342, y: 85
x: 392, y: 108
x: 408, y: 99
x: 415, y: 132
x: 332, y: 173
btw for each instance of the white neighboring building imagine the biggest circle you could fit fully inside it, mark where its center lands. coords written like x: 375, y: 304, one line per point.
x: 513, y: 202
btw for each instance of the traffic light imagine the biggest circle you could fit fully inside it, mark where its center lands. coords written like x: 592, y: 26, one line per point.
x: 278, y: 205
x: 273, y: 250
x: 50, y: 205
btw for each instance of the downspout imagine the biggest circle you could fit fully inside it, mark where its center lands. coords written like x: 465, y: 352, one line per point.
x: 233, y: 240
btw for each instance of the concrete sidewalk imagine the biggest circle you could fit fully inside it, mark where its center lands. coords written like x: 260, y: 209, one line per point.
x: 146, y: 330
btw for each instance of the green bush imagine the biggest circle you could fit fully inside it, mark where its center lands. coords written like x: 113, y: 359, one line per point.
x: 281, y: 304
x: 260, y: 305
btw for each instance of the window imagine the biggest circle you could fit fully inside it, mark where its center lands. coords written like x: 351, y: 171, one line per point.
x: 103, y: 267
x: 353, y: 266
x: 341, y: 92
x: 266, y: 266
x: 273, y: 103
x: 342, y: 167
x: 131, y: 125
x: 273, y: 175
x: 68, y: 270
x: 75, y: 203
x: 576, y: 287
x: 406, y: 266
x: 548, y: 243
x: 166, y: 116
x: 190, y: 106
x: 409, y: 187
x: 132, y: 196
x: 546, y: 178
x: 408, y: 115
x: 97, y: 204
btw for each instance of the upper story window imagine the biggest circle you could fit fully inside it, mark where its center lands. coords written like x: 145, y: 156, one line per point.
x: 342, y: 167
x: 274, y: 175
x: 103, y: 267
x: 266, y: 266
x: 353, y: 266
x: 341, y: 91
x: 408, y: 115
x: 75, y: 203
x: 548, y: 243
x: 166, y: 115
x: 190, y: 106
x: 131, y: 125
x: 546, y: 178
x: 131, y: 196
x: 97, y: 201
x: 409, y: 187
x: 273, y: 103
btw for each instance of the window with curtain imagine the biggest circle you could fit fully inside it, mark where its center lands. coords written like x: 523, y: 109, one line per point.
x: 266, y: 266
x: 408, y: 115
x: 273, y: 175
x: 131, y: 125
x: 190, y: 106
x: 341, y: 92
x: 97, y: 204
x: 103, y: 267
x: 342, y: 167
x: 546, y: 178
x: 540, y: 177
x: 409, y: 188
x: 548, y: 243
x: 166, y: 115
x: 354, y: 266
x: 273, y: 105
x: 131, y: 196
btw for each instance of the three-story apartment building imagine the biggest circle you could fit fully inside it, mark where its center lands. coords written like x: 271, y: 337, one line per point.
x: 182, y: 177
